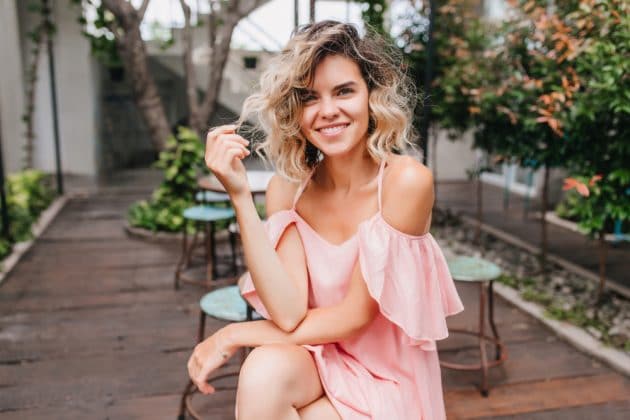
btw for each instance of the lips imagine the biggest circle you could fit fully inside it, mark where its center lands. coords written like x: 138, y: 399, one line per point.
x: 332, y: 130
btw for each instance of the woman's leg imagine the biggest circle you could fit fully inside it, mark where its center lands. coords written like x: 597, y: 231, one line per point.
x: 275, y: 382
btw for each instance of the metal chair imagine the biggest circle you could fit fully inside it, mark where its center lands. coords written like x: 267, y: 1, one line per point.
x: 482, y: 272
x: 207, y: 216
x: 224, y: 304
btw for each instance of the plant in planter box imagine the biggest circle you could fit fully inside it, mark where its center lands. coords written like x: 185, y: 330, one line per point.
x: 28, y: 194
x: 182, y: 162
x: 522, y: 107
x: 598, y: 201
x: 598, y: 126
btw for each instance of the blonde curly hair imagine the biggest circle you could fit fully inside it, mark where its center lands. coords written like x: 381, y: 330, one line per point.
x: 278, y: 105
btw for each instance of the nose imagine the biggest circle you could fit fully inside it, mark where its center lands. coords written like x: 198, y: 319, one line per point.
x: 328, y: 108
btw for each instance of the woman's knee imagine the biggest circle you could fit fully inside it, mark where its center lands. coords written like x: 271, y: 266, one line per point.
x: 270, y: 366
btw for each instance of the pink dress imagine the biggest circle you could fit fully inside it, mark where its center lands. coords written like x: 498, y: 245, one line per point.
x: 391, y: 371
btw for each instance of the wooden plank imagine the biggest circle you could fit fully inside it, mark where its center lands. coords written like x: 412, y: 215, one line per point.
x: 527, y: 362
x: 216, y: 407
x: 49, y: 383
x: 527, y: 397
x: 615, y: 410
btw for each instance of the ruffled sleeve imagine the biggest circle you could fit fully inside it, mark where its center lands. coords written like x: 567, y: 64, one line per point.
x: 408, y: 277
x: 275, y: 226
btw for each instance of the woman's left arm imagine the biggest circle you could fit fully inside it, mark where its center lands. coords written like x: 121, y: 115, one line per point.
x: 321, y: 325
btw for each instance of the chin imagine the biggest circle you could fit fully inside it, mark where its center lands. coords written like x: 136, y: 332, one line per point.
x: 335, y: 150
x: 336, y: 147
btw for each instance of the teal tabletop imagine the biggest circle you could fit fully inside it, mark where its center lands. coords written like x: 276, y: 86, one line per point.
x: 225, y: 303
x: 472, y: 269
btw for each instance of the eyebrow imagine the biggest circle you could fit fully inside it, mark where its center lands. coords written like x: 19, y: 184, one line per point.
x: 341, y: 86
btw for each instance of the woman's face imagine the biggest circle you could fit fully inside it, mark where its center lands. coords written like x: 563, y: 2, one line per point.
x: 335, y: 111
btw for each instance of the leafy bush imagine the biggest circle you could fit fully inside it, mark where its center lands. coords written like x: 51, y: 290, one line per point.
x: 28, y: 194
x: 182, y: 163
x: 595, y: 203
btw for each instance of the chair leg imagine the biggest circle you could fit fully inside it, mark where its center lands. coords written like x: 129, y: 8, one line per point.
x: 209, y: 259
x: 233, y: 250
x: 213, y: 251
x: 192, y: 246
x: 495, y: 332
x: 482, y: 343
x: 202, y: 327
x: 182, y: 259
x: 190, y: 386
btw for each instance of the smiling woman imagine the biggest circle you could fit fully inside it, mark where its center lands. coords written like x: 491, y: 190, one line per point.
x: 353, y: 288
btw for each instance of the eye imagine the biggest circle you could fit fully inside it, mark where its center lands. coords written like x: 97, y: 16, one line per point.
x: 306, y: 98
x: 345, y: 91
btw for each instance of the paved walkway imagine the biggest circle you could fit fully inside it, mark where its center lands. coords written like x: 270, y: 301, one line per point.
x: 571, y: 246
x: 90, y: 327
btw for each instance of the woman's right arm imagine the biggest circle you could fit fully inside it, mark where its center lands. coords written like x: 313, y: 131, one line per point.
x: 279, y: 275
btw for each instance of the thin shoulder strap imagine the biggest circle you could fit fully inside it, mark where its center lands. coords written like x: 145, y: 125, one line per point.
x: 379, y: 180
x: 301, y: 188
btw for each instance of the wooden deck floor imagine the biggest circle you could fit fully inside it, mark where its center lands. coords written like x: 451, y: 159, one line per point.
x: 90, y: 327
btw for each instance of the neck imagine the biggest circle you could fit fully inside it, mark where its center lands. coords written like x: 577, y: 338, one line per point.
x: 347, y: 173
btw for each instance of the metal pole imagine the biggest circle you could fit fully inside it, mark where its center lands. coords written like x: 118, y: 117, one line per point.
x: 428, y: 78
x: 3, y: 197
x: 53, y: 94
x: 312, y: 11
x: 296, y: 13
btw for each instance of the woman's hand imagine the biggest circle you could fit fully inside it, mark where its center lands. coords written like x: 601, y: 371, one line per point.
x: 207, y: 357
x: 224, y: 151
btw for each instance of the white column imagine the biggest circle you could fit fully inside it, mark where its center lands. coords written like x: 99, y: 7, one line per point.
x: 77, y: 96
x: 11, y: 88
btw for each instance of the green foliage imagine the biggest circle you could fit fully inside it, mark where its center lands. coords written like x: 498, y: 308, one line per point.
x: 598, y: 126
x: 28, y: 194
x: 182, y: 163
x: 372, y: 13
x: 460, y: 39
x: 596, y: 204
x: 521, y: 107
x: 98, y: 31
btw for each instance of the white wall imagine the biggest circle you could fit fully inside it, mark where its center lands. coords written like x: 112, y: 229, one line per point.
x: 11, y: 91
x: 77, y: 91
x: 453, y: 157
x: 76, y: 98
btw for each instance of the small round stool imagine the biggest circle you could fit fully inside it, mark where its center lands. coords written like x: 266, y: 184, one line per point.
x: 477, y: 270
x: 224, y: 304
x: 208, y: 216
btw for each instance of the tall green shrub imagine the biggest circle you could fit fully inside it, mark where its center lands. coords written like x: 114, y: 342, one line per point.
x: 598, y: 126
x: 182, y: 163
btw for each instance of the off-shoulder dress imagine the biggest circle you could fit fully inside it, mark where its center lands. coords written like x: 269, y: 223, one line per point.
x: 391, y: 371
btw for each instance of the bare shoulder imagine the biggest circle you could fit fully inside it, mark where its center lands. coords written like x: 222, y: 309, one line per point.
x: 407, y: 175
x: 407, y: 195
x: 280, y: 194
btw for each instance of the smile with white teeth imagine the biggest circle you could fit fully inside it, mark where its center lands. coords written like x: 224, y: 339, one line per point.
x: 331, y: 131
